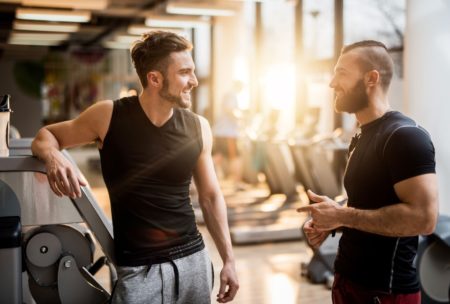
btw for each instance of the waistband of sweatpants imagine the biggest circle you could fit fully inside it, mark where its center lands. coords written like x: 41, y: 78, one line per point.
x: 167, y: 254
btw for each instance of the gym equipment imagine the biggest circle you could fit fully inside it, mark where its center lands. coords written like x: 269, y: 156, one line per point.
x: 5, y: 112
x: 47, y: 242
x: 271, y: 220
x: 279, y: 171
x: 315, y: 171
x: 314, y: 167
x: 274, y: 218
x: 433, y: 264
x: 320, y: 269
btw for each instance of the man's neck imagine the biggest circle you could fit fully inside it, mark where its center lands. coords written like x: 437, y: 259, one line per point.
x: 377, y: 107
x: 158, y: 110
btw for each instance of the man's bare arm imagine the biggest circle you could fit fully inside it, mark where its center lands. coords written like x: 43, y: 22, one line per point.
x: 91, y: 125
x: 215, y: 214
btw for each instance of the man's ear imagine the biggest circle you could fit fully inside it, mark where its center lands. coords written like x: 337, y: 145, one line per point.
x: 372, y: 78
x: 155, y: 79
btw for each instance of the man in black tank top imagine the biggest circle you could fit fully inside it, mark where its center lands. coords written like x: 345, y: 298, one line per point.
x: 151, y: 146
x: 390, y: 182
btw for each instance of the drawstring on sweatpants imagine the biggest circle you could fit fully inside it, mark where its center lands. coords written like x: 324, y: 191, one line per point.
x: 177, y: 279
x: 177, y: 276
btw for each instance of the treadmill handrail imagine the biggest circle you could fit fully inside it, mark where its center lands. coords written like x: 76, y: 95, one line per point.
x: 86, y: 205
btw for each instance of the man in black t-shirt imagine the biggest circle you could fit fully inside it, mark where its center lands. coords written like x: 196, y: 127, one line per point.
x: 390, y: 182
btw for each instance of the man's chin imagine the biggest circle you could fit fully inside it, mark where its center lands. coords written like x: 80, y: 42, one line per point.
x: 338, y: 106
x: 185, y: 104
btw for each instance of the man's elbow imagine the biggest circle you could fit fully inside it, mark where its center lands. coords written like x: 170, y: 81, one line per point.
x: 37, y: 139
x: 429, y: 222
x: 205, y: 200
x: 208, y: 200
x: 35, y: 142
x: 42, y: 140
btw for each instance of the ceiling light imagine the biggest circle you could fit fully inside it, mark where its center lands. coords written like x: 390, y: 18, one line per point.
x: 32, y: 42
x: 78, y: 4
x: 200, y: 8
x: 140, y: 29
x: 45, y: 26
x: 175, y: 21
x: 116, y: 45
x: 53, y: 15
x: 129, y: 39
x: 39, y: 36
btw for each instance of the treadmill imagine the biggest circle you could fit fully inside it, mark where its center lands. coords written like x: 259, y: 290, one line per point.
x: 274, y: 218
x: 314, y: 165
x: 316, y: 170
x: 258, y: 204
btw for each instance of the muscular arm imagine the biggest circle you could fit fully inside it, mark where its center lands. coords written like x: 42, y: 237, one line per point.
x: 415, y: 214
x: 91, y: 125
x: 214, y: 211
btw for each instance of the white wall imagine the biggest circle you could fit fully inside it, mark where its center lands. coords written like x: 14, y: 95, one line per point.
x: 395, y: 94
x: 427, y: 80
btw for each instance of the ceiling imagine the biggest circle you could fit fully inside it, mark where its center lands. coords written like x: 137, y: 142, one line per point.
x: 107, y: 19
x: 116, y: 16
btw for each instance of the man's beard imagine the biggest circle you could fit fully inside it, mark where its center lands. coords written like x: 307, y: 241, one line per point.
x: 175, y: 99
x: 353, y: 101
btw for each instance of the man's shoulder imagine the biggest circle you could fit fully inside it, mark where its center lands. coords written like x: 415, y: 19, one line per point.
x: 104, y: 104
x: 185, y: 112
x: 125, y: 101
x: 97, y: 111
x: 402, y: 130
x: 394, y: 122
x: 397, y: 119
x: 191, y: 115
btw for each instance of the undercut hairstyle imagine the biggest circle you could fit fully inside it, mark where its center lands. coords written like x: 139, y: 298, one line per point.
x: 373, y: 55
x: 152, y: 52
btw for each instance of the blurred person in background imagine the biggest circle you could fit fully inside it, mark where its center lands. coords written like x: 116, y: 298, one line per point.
x: 226, y: 132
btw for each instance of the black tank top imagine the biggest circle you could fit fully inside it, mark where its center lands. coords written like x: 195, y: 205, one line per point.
x: 148, y: 171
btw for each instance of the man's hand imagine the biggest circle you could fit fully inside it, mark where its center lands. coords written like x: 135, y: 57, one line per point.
x: 62, y: 176
x: 228, y: 278
x: 314, y: 238
x: 324, y: 213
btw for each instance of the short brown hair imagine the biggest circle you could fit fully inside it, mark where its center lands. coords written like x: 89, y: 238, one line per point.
x: 374, y: 56
x: 152, y: 51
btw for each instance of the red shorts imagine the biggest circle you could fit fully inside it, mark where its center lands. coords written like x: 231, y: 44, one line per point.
x: 346, y: 292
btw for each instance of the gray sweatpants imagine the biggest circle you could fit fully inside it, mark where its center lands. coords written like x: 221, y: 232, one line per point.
x: 157, y: 285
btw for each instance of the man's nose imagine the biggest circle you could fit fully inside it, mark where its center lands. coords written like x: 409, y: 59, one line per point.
x: 332, y: 83
x: 193, y: 81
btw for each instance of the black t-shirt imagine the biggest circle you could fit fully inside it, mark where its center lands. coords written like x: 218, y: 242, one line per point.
x: 148, y: 171
x: 390, y: 149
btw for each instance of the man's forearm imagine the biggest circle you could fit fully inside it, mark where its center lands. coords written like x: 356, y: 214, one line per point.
x: 215, y: 215
x: 394, y: 220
